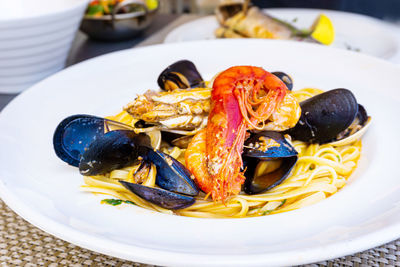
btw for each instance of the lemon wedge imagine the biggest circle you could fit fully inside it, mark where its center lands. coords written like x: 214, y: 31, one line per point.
x: 322, y: 30
x: 152, y: 4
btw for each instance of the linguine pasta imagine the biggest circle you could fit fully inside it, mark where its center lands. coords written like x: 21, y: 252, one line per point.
x: 321, y: 170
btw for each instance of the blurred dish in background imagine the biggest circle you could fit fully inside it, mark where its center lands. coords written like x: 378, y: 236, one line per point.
x: 352, y: 31
x: 239, y: 19
x: 117, y: 20
x: 98, y: 8
x: 35, y: 38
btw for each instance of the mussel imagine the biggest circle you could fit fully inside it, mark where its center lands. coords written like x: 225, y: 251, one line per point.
x: 285, y: 78
x: 99, y: 149
x: 75, y: 133
x: 174, y: 139
x: 357, y: 128
x: 268, y: 158
x: 181, y: 74
x: 113, y: 150
x: 171, y: 174
x: 160, y: 197
x: 327, y: 117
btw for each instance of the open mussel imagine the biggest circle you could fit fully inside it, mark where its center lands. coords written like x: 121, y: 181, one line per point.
x: 174, y: 139
x: 75, y: 133
x: 113, y: 150
x: 171, y: 174
x: 180, y: 75
x: 268, y: 158
x: 327, y: 117
x: 357, y: 128
x: 121, y: 148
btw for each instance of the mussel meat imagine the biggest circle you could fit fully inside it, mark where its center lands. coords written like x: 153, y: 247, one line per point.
x: 268, y: 158
x: 171, y: 174
x: 180, y: 75
x: 325, y: 116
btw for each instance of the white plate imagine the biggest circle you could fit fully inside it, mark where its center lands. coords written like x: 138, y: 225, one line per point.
x: 45, y: 191
x: 353, y: 31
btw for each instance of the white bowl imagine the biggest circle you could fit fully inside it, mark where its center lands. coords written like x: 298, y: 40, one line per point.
x: 35, y: 38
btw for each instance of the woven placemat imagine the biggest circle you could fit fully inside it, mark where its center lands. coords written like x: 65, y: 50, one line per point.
x: 22, y: 244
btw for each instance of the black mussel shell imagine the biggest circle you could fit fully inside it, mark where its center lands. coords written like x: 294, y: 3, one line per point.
x: 359, y: 122
x: 255, y: 151
x: 171, y: 174
x: 169, y: 137
x: 160, y: 197
x: 143, y: 124
x: 75, y: 133
x: 113, y: 150
x: 324, y: 116
x: 182, y: 74
x: 174, y: 139
x: 362, y: 115
x: 285, y: 78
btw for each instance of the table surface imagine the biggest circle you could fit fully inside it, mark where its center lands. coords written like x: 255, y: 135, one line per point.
x: 22, y: 244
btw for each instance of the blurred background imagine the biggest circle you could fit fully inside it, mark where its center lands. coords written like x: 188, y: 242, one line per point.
x: 382, y: 9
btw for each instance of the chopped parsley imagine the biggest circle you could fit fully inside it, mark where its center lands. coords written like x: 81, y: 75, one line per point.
x: 269, y: 211
x: 116, y: 202
x: 283, y: 202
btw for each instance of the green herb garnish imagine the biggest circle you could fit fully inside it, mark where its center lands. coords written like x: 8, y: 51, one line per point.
x: 116, y: 202
x: 266, y: 212
x: 283, y: 202
x: 129, y: 202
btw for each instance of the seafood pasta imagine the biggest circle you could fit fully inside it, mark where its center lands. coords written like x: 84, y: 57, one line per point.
x: 242, y: 145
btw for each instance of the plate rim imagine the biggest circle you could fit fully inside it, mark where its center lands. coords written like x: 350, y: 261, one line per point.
x: 82, y: 239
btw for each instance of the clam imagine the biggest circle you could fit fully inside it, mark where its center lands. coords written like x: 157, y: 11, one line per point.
x: 326, y: 117
x: 268, y: 158
x: 181, y: 74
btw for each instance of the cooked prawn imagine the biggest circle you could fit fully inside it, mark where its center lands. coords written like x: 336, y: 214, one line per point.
x: 242, y: 98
